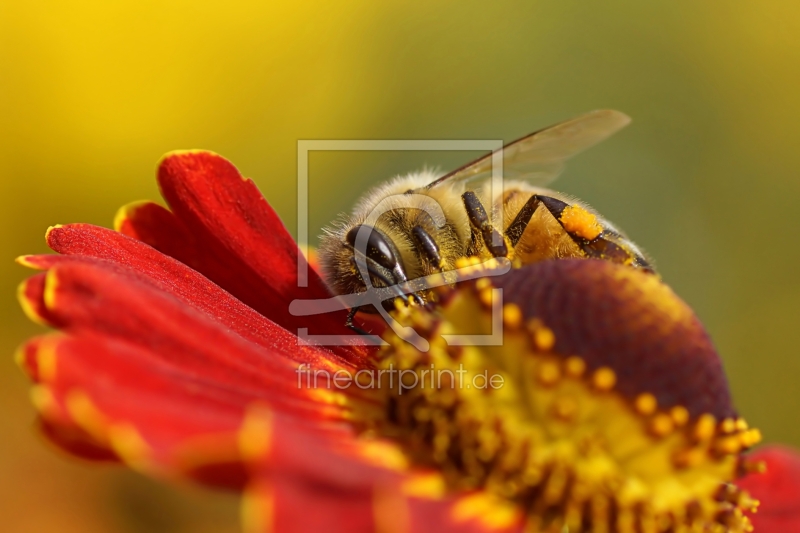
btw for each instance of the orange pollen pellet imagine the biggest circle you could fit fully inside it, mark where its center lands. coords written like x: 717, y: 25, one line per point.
x: 581, y: 222
x: 548, y: 373
x: 741, y: 424
x: 512, y: 316
x: 646, y: 404
x: 604, y: 379
x: 662, y: 425
x: 575, y: 366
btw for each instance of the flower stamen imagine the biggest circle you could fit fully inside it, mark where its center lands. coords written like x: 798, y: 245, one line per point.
x: 558, y: 440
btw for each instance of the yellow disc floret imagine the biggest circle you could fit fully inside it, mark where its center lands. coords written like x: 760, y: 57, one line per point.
x: 541, y: 430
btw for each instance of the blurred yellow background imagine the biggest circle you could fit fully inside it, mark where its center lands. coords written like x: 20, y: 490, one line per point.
x: 706, y: 178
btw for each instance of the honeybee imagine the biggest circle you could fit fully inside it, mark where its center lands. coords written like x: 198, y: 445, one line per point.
x: 422, y: 223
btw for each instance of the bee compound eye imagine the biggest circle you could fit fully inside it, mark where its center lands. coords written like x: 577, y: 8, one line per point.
x: 377, y: 248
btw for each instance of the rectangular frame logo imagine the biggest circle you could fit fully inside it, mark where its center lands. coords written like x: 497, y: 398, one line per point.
x: 494, y: 146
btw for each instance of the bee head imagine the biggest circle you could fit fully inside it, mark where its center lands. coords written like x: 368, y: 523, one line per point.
x: 363, y: 252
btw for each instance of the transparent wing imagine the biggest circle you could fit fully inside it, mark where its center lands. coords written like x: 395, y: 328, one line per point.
x: 539, y: 157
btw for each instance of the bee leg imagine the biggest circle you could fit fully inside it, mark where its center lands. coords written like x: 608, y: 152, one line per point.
x: 491, y: 238
x: 350, y: 316
x: 386, y: 277
x: 595, y: 240
x: 609, y: 246
x: 515, y: 230
x: 427, y: 246
x: 349, y: 322
x: 390, y: 282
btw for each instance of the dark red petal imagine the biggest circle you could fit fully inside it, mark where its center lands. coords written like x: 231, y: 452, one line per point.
x: 778, y: 490
x: 228, y: 217
x: 625, y: 319
x: 83, y: 242
x: 75, y: 441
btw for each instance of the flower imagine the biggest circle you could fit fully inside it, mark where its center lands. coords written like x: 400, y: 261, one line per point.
x: 604, y: 408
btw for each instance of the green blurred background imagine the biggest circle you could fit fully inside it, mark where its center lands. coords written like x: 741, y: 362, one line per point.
x: 706, y: 178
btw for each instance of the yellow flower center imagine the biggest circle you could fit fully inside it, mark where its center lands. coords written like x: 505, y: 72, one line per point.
x: 546, y: 431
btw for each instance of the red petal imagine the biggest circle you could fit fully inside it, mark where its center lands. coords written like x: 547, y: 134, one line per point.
x: 113, y: 392
x: 433, y: 516
x: 26, y: 358
x: 289, y: 504
x: 89, y: 298
x: 160, y: 228
x: 100, y: 393
x: 229, y: 218
x: 303, y: 483
x: 29, y: 295
x: 341, y: 483
x: 157, y: 226
x: 299, y: 506
x: 171, y: 378
x: 778, y: 490
x: 141, y: 261
x: 353, y: 484
x: 145, y: 359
